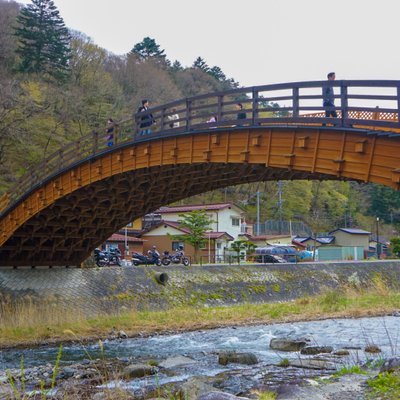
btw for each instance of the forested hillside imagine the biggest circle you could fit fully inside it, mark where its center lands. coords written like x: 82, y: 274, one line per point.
x: 57, y: 85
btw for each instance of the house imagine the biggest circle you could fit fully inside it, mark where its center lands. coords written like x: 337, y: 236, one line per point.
x: 133, y: 244
x: 162, y: 234
x: 351, y: 237
x: 265, y: 240
x: 226, y: 217
x: 309, y: 242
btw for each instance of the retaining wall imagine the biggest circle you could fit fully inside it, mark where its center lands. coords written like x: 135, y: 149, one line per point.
x: 97, y: 290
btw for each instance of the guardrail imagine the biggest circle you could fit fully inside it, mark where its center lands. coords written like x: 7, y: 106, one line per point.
x: 372, y: 103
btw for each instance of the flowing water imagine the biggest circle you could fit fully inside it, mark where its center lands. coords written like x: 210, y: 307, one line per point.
x: 203, y: 347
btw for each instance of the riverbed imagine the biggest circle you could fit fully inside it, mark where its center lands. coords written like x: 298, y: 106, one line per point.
x: 201, y: 349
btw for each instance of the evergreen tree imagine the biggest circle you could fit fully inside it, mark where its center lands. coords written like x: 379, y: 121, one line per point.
x: 384, y: 202
x: 197, y: 223
x: 201, y: 64
x: 217, y: 73
x: 148, y: 48
x: 176, y: 66
x: 43, y: 39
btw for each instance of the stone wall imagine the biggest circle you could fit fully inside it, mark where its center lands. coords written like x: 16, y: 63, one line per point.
x: 96, y: 290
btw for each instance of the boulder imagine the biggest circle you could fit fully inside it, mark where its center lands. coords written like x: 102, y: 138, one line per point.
x: 67, y: 372
x: 342, y: 352
x: 310, y: 363
x: 372, y: 348
x: 195, y: 387
x: 219, y: 396
x: 311, y: 350
x: 138, y: 371
x: 238, y: 358
x: 174, y: 362
x: 286, y: 344
x: 122, y: 335
x: 391, y: 365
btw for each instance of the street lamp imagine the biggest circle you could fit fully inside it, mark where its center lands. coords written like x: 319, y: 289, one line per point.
x: 378, y: 249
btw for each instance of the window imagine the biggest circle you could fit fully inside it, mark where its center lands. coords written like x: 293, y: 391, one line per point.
x: 219, y: 245
x: 175, y: 245
x: 235, y: 221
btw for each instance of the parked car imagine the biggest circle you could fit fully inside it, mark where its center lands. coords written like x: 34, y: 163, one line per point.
x: 270, y: 258
x: 288, y: 253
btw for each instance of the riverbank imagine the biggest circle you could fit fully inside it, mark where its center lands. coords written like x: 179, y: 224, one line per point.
x: 46, y: 323
x: 60, y: 305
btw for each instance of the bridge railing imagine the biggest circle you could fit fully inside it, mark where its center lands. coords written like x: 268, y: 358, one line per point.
x: 365, y: 103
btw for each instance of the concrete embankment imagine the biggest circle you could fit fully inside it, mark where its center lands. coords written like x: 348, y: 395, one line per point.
x: 95, y: 290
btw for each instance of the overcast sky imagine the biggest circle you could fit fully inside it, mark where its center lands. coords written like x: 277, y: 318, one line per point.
x: 255, y: 41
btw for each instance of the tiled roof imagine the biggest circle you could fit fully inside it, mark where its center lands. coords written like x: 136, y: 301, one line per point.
x: 352, y: 231
x: 121, y: 238
x: 263, y: 237
x: 188, y: 208
x: 217, y: 235
x: 302, y: 239
x: 176, y: 225
x: 325, y: 239
x: 319, y: 239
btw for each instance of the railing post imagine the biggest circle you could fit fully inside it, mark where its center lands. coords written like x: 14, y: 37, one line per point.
x: 95, y: 141
x: 254, y: 106
x: 375, y: 114
x: 398, y: 104
x: 116, y: 133
x: 162, y: 119
x: 188, y: 114
x: 135, y: 121
x: 295, y: 102
x: 219, y: 110
x: 344, y: 103
x: 61, y: 158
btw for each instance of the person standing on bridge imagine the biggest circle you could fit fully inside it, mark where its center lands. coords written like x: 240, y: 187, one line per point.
x: 240, y: 113
x: 110, y: 132
x: 328, y: 97
x: 173, y: 119
x: 146, y: 121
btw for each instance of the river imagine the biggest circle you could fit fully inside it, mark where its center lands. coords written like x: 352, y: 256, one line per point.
x: 203, y: 347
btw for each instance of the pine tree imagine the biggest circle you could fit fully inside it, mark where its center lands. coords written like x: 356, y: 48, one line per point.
x: 148, y: 48
x: 201, y: 64
x: 217, y: 73
x: 44, y: 41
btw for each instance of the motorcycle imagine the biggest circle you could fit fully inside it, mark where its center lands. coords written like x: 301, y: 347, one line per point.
x: 107, y: 258
x: 177, y: 258
x: 153, y: 258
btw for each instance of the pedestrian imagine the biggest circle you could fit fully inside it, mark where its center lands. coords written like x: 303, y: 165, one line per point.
x: 328, y: 97
x: 146, y: 121
x: 173, y: 119
x: 110, y: 132
x: 212, y: 119
x: 240, y: 113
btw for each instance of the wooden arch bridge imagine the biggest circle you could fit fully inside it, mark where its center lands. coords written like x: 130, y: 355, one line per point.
x: 76, y: 198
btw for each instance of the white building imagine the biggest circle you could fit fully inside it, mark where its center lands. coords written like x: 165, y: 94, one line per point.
x: 226, y: 217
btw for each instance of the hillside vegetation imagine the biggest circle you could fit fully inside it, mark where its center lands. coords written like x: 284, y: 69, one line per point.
x: 57, y: 85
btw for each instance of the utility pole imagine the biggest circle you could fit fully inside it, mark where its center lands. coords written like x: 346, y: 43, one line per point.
x: 258, y: 213
x: 280, y: 184
x: 378, y: 247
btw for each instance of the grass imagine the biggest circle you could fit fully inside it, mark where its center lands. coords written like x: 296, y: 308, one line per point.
x: 262, y: 395
x: 355, y: 369
x: 30, y: 323
x: 386, y: 386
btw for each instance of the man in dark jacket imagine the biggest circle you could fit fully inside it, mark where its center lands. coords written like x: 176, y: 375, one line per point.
x: 328, y: 97
x: 147, y: 120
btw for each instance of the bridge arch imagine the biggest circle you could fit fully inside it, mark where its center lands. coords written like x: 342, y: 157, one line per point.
x: 63, y: 217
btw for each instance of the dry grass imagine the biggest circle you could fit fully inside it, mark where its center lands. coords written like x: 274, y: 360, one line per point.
x: 27, y: 322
